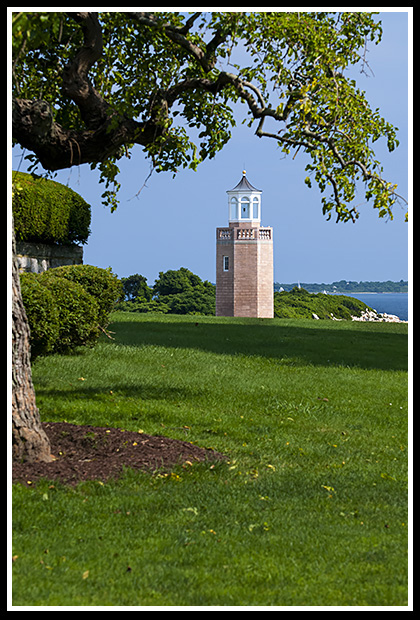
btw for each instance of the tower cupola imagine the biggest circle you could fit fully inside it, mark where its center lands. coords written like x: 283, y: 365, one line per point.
x: 244, y: 202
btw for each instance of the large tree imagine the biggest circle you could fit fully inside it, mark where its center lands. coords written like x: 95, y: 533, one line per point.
x: 89, y: 87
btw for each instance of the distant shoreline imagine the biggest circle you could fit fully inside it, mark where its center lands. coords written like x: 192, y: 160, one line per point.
x: 367, y: 292
x: 343, y: 287
x: 335, y: 292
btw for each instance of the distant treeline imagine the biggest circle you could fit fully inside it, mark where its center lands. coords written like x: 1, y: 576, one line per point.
x: 344, y: 286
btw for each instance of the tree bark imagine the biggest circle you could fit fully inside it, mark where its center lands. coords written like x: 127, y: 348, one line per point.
x: 58, y: 148
x: 29, y: 441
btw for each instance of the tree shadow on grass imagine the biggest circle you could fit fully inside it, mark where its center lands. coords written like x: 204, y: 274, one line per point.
x: 369, y: 346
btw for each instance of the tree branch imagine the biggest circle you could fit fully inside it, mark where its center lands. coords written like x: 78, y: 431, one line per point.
x: 206, y: 59
x: 106, y: 131
x: 188, y: 24
x: 57, y: 148
x: 76, y: 84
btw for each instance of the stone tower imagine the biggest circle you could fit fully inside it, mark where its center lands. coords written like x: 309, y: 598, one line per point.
x: 244, y: 257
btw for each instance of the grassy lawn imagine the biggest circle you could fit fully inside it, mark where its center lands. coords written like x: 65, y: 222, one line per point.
x: 309, y: 510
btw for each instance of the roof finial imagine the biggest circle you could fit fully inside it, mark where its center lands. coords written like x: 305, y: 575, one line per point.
x: 244, y: 172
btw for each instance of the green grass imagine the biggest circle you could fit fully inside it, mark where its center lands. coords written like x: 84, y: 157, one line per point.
x: 309, y: 510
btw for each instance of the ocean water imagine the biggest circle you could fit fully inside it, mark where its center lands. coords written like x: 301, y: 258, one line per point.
x: 391, y: 303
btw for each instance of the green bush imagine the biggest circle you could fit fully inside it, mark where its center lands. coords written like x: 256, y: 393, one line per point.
x: 42, y: 312
x: 102, y: 284
x: 45, y: 211
x: 67, y: 306
x: 298, y: 303
x: 198, y: 301
x: 78, y: 312
x: 143, y: 306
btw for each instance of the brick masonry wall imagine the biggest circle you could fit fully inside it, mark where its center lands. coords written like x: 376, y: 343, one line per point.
x: 246, y: 279
x: 247, y: 288
x: 224, y: 279
x: 265, y: 279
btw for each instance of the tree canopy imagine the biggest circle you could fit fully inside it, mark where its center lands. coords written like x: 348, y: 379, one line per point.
x: 135, y: 286
x: 88, y: 87
x: 174, y: 292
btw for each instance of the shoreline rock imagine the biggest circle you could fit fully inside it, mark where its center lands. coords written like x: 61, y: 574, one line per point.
x: 373, y: 315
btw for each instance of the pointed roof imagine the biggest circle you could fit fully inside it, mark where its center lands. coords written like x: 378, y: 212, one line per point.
x: 244, y: 184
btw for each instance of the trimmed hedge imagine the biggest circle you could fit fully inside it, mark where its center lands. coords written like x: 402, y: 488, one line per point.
x: 45, y: 211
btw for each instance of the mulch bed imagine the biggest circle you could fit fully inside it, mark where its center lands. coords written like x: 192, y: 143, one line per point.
x: 96, y: 453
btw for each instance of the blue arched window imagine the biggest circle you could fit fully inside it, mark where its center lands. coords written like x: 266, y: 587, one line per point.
x: 245, y: 209
x: 255, y: 208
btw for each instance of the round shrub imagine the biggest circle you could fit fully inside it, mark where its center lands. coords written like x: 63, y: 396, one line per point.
x: 102, y: 284
x: 42, y: 313
x: 78, y: 312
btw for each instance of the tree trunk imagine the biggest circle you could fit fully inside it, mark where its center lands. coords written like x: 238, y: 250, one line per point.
x: 30, y: 442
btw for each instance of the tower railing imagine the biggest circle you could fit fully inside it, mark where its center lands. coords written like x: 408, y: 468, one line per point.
x: 224, y: 233
x: 265, y: 233
x: 244, y: 233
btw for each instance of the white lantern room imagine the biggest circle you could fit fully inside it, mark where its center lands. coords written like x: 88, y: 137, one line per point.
x: 244, y: 203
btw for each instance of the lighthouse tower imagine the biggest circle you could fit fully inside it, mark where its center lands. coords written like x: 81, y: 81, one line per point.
x: 244, y: 257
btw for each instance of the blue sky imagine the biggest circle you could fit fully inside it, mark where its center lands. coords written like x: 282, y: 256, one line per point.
x: 171, y: 224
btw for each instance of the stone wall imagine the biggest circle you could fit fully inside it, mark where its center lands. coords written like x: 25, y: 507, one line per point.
x: 38, y: 257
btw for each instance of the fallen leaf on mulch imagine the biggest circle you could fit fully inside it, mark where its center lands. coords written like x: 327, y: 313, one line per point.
x: 97, y: 453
